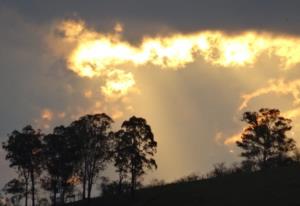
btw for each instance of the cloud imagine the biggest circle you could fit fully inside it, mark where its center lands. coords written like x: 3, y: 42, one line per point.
x: 275, y: 86
x: 228, y: 140
x: 292, y: 113
x: 102, y: 56
x: 185, y: 107
x: 47, y: 115
x: 189, y: 15
x: 118, y: 84
x: 231, y: 140
x: 95, y: 52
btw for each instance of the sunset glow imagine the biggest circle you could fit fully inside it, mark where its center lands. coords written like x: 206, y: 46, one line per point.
x: 194, y: 70
x: 96, y: 53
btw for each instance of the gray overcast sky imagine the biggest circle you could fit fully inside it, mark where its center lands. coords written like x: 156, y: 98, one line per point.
x: 187, y: 109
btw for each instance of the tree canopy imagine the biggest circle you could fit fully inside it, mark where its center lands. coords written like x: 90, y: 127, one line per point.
x: 24, y: 151
x: 135, y: 148
x: 264, y: 141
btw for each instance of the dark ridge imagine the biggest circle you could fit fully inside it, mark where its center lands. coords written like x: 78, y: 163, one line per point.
x: 279, y: 186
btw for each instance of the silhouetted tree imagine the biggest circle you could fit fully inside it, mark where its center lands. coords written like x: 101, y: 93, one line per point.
x: 121, y: 160
x: 111, y: 188
x: 135, y: 147
x: 296, y: 156
x: 264, y: 141
x: 158, y: 183
x: 16, y: 188
x: 24, y: 151
x: 61, y: 158
x: 94, y: 133
x: 189, y: 178
x: 219, y: 170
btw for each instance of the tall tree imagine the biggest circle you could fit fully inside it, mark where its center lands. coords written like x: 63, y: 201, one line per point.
x: 120, y: 155
x: 94, y: 132
x: 264, y: 141
x: 61, y: 157
x: 135, y: 148
x: 24, y: 151
x: 16, y: 188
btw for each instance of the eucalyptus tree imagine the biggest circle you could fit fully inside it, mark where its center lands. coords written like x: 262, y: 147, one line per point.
x: 61, y: 157
x: 135, y: 148
x: 264, y: 141
x: 93, y: 132
x: 16, y: 188
x: 24, y: 151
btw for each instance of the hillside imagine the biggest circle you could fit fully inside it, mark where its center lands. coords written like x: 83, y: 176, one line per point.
x: 273, y: 187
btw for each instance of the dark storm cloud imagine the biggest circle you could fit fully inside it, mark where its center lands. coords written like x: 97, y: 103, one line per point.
x: 182, y: 15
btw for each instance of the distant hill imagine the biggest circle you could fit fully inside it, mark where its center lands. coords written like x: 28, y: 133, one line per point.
x: 280, y: 186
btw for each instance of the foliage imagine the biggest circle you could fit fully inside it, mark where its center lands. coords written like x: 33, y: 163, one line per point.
x: 264, y: 141
x: 24, y: 151
x: 156, y: 183
x: 16, y: 189
x: 77, y: 154
x: 219, y: 170
x: 14, y: 186
x: 61, y: 159
x: 112, y: 188
x: 189, y: 178
x: 93, y: 133
x: 135, y: 148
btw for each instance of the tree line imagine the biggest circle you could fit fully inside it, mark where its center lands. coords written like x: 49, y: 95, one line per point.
x: 76, y: 155
x: 264, y: 144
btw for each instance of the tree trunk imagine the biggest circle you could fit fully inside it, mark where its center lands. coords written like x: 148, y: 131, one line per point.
x: 26, y: 191
x: 54, y: 195
x: 32, y: 187
x: 264, y: 164
x: 120, y: 184
x: 83, y: 187
x: 90, y: 185
x: 91, y: 175
x: 132, y: 186
x: 62, y: 197
x: 84, y: 182
x: 54, y: 199
x: 132, y: 183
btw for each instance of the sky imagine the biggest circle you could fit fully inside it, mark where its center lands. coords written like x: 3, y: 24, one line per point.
x: 190, y: 68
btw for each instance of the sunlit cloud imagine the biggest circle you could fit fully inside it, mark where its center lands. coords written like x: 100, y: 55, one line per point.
x: 45, y: 118
x: 292, y: 113
x: 231, y: 140
x: 105, y: 55
x: 228, y: 140
x: 279, y: 87
x: 118, y: 84
x: 70, y: 29
x: 47, y: 115
x: 97, y: 52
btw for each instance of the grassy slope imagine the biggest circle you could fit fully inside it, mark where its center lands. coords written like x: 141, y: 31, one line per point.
x: 274, y: 187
